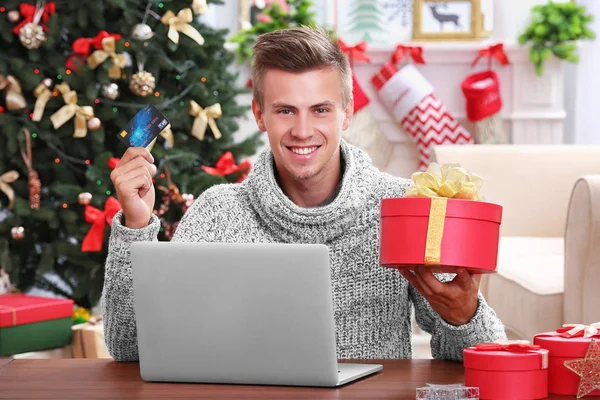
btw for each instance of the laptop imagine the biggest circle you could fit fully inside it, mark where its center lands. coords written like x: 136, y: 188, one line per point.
x: 256, y: 314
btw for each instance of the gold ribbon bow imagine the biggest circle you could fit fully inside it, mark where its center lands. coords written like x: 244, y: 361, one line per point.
x: 181, y: 23
x: 5, y: 180
x: 14, y: 95
x: 199, y: 6
x: 167, y: 134
x: 71, y: 109
x: 119, y: 61
x: 203, y: 117
x: 43, y: 95
x: 450, y: 181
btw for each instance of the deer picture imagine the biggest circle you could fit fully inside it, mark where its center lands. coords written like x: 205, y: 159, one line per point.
x: 443, y: 18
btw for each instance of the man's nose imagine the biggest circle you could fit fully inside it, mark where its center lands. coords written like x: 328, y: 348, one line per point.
x: 302, y: 128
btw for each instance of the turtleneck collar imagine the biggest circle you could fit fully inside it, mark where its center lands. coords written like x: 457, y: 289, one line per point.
x: 292, y: 223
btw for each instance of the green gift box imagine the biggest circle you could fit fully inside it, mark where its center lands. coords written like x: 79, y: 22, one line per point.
x: 32, y: 323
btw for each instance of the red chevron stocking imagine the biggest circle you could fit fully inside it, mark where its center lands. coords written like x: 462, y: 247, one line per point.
x: 410, y: 98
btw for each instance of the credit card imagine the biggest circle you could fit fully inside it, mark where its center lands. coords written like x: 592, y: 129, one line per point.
x: 147, y: 124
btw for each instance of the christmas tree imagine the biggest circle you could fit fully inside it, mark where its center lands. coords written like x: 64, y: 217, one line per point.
x: 366, y: 19
x: 72, y: 75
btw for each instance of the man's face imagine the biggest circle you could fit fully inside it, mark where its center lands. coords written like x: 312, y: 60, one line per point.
x: 303, y: 116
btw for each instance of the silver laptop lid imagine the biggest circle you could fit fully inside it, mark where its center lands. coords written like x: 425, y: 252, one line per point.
x: 234, y: 313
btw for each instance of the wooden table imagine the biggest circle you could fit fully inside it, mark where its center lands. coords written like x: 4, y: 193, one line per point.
x: 106, y: 379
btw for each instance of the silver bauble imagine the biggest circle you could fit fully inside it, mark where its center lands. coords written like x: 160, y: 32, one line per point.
x: 142, y: 32
x: 110, y: 90
x: 32, y: 35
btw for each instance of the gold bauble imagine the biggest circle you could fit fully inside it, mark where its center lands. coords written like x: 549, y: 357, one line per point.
x: 94, y: 124
x: 84, y: 198
x: 142, y: 83
x: 32, y: 35
x: 17, y: 232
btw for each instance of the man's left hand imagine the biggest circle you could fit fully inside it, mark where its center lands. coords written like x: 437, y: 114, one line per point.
x: 455, y: 301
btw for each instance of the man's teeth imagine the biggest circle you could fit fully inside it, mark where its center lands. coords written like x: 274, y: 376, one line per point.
x: 304, y: 150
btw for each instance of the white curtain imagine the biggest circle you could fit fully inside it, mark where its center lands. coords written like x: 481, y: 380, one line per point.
x: 582, y: 94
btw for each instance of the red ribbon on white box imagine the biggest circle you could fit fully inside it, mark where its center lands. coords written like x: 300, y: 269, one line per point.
x: 579, y: 330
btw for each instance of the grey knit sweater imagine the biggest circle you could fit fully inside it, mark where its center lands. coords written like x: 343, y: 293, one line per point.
x: 372, y: 304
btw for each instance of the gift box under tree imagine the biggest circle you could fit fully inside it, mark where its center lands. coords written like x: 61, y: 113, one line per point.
x: 31, y: 323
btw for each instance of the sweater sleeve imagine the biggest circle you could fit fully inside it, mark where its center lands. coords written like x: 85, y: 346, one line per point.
x: 448, y: 341
x: 120, y: 329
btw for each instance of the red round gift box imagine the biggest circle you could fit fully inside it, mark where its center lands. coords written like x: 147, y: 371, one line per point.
x: 470, y: 236
x: 501, y: 374
x: 561, y: 379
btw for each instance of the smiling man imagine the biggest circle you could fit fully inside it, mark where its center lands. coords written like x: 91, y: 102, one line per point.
x: 309, y: 187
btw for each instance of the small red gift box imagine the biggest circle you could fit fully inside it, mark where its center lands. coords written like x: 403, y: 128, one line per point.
x: 507, y: 371
x: 564, y: 346
x: 32, y: 323
x: 441, y: 223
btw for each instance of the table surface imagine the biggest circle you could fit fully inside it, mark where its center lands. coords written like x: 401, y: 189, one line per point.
x: 107, y: 379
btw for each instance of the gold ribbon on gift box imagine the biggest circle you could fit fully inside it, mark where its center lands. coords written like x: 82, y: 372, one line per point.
x: 450, y: 181
x: 13, y: 311
x: 119, y: 61
x: 203, y: 117
x: 181, y: 23
x: 71, y: 109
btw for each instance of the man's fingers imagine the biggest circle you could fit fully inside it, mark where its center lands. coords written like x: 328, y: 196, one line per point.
x: 416, y: 281
x: 134, y: 152
x: 433, y: 283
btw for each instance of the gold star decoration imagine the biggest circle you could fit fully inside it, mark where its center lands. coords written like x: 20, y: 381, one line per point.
x: 588, y: 369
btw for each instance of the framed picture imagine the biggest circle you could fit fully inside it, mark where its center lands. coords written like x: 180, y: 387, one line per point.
x: 487, y: 18
x: 377, y: 22
x: 447, y: 20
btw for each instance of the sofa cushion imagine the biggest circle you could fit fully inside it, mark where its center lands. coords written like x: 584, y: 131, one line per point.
x: 535, y: 263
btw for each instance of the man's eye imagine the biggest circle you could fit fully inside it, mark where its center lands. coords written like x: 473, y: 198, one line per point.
x: 285, y: 111
x: 321, y: 110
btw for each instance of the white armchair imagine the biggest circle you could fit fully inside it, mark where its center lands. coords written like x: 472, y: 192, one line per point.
x: 549, y: 254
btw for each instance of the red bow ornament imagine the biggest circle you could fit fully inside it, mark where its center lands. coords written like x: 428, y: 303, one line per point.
x: 355, y: 53
x: 414, y: 52
x: 579, y: 330
x: 28, y: 12
x: 95, y: 236
x: 495, y: 51
x: 226, y: 166
x: 82, y: 48
x: 112, y: 162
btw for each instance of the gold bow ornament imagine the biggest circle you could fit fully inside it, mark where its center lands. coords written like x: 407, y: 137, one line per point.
x: 450, y: 181
x: 181, y: 23
x: 199, y: 6
x: 119, y: 61
x: 71, y: 109
x: 5, y: 180
x: 43, y: 95
x: 167, y: 134
x: 14, y: 95
x: 203, y: 117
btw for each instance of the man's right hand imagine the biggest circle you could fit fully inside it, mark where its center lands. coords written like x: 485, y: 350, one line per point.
x: 132, y: 178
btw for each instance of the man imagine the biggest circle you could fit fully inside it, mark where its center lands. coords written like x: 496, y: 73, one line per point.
x: 309, y: 187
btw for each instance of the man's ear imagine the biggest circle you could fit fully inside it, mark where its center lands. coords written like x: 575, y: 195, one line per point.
x: 348, y: 114
x: 258, y: 116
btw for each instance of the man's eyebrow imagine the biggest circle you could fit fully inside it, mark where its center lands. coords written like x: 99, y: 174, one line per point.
x: 321, y: 104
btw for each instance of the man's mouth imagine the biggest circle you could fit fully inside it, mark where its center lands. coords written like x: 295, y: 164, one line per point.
x: 303, y: 150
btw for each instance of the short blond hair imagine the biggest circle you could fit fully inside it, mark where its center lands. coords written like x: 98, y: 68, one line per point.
x: 298, y: 50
